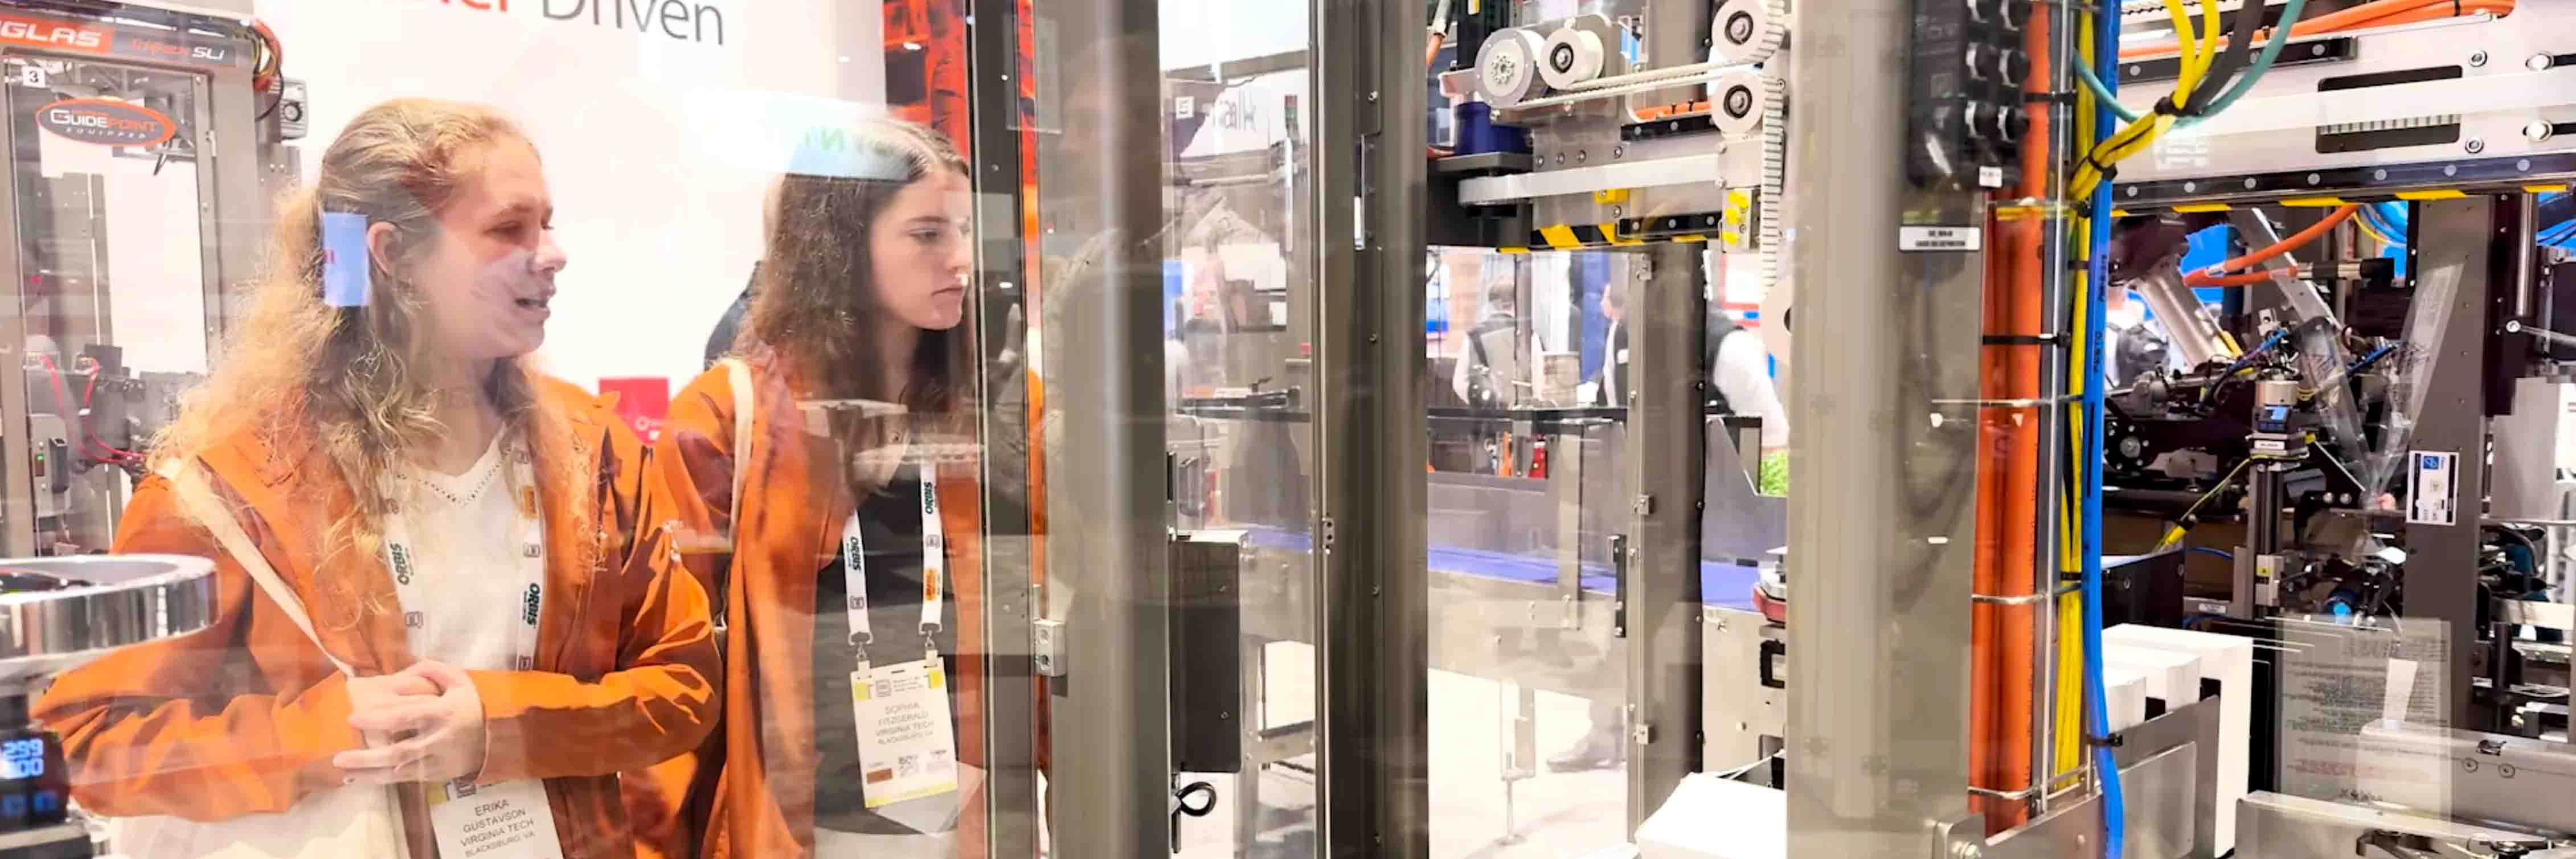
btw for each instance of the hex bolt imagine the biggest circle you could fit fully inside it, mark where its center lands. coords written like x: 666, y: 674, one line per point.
x: 2476, y: 146
x: 2478, y: 59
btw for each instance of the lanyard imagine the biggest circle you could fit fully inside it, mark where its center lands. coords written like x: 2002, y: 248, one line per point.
x: 934, y: 556
x: 400, y: 553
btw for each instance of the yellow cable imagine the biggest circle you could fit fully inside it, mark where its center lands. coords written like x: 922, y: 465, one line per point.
x: 2364, y: 224
x: 2187, y: 42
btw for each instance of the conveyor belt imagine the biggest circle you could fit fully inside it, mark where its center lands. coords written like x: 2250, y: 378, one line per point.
x: 1724, y: 585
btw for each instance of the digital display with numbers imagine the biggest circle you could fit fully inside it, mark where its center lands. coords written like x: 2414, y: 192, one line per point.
x: 22, y: 758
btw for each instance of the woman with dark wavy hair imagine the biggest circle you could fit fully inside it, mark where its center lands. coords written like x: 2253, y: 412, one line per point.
x: 829, y: 465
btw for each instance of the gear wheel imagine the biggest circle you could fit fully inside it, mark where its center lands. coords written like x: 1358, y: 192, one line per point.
x: 1747, y: 31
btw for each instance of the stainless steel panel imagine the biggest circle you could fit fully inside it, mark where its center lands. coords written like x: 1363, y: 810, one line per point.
x: 2532, y: 447
x: 1736, y: 710
x: 2476, y: 776
x: 1667, y: 426
x: 2546, y: 615
x: 2278, y: 826
x: 2161, y: 820
x: 1881, y: 518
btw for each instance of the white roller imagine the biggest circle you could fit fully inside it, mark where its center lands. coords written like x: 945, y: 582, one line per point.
x: 1507, y: 68
x: 1574, y: 56
x: 1747, y: 31
x: 1741, y: 101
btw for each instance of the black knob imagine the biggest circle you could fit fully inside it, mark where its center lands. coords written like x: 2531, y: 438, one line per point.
x: 2014, y: 13
x: 2011, y: 123
x: 1983, y: 11
x: 1976, y: 59
x: 1978, y: 118
x: 2013, y: 65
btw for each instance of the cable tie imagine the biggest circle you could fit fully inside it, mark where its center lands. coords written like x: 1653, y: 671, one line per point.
x: 2166, y: 106
x: 2061, y: 97
x: 2105, y: 742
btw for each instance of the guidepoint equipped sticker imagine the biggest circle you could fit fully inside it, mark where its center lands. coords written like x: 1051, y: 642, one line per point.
x: 105, y: 122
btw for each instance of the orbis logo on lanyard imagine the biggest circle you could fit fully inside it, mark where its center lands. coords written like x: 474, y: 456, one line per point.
x: 907, y: 743
x: 508, y: 820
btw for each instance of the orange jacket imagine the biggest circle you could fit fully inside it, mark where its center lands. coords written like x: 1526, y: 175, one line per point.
x: 754, y: 785
x: 245, y: 716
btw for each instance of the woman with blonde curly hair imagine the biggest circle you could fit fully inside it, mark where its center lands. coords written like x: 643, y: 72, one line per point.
x: 439, y: 582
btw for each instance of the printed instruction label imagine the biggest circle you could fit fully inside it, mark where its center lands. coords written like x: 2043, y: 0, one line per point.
x: 510, y: 820
x: 2432, y: 494
x: 1940, y: 239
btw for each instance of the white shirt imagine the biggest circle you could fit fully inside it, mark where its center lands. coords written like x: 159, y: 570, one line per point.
x: 1742, y: 375
x: 465, y: 532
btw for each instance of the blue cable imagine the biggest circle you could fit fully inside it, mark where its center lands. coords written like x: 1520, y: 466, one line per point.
x: 2395, y: 231
x: 2557, y: 234
x: 2106, y: 58
x: 2205, y: 550
x: 2266, y: 346
x: 2372, y: 358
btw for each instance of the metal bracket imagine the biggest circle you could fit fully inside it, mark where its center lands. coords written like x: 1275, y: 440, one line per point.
x: 1047, y: 643
x: 1621, y: 556
x: 1960, y: 838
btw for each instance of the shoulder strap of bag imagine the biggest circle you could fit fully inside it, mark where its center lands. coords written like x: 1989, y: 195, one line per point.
x: 199, y: 500
x: 738, y: 376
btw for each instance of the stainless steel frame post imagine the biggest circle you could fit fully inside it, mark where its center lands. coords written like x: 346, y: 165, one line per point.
x: 1011, y: 818
x: 1372, y: 614
x: 2456, y: 238
x: 1882, y: 495
x: 1106, y: 542
x: 1667, y: 461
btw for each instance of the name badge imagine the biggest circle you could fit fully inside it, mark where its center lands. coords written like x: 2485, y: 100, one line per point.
x: 907, y: 745
x: 510, y: 820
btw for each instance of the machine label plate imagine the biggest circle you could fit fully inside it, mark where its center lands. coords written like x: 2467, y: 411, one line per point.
x: 106, y: 122
x: 1914, y: 239
x: 2431, y: 493
x: 90, y: 36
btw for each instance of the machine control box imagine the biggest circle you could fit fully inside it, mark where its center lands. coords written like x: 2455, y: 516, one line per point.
x: 1964, y: 116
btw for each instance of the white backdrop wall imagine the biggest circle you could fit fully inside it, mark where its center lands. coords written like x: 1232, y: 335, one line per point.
x: 657, y: 148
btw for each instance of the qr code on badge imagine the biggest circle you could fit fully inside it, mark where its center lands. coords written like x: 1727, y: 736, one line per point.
x: 907, y: 765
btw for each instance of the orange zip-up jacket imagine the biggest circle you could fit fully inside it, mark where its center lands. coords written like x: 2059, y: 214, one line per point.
x: 752, y: 788
x: 244, y: 717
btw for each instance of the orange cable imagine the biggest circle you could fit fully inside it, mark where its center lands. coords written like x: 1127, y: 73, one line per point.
x: 2380, y: 13
x: 2297, y: 240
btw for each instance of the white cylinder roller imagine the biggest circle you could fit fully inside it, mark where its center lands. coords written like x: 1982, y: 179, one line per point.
x: 1507, y: 68
x: 1741, y: 101
x: 1574, y: 56
x: 1747, y: 31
